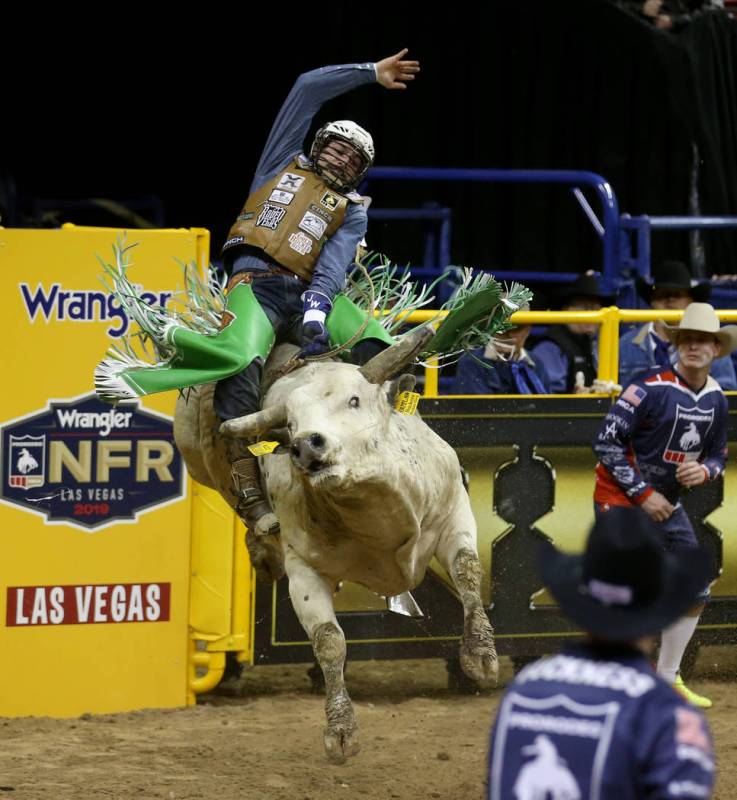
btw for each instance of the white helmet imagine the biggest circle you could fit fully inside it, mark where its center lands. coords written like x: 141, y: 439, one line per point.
x: 359, y: 139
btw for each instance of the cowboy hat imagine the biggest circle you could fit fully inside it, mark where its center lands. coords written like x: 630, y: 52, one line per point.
x: 673, y: 275
x: 625, y: 585
x: 586, y: 285
x: 701, y: 317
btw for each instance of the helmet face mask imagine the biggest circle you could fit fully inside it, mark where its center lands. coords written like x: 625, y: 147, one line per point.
x: 342, y: 154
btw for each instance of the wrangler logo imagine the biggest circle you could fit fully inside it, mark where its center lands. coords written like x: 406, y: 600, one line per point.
x: 56, y: 304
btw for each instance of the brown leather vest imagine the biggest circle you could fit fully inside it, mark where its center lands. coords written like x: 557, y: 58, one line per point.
x: 290, y: 218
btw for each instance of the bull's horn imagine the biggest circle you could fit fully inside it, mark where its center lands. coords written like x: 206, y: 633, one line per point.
x: 256, y: 424
x: 395, y: 358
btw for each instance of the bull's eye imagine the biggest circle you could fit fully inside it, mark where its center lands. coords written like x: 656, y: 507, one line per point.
x: 354, y: 402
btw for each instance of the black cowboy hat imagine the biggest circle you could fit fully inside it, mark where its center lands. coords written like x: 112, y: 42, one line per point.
x: 673, y: 275
x: 625, y: 585
x: 586, y: 285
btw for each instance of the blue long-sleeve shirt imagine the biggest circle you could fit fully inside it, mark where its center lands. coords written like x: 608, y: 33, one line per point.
x: 284, y: 144
x: 478, y: 374
x: 593, y: 723
x: 637, y: 354
x: 657, y: 423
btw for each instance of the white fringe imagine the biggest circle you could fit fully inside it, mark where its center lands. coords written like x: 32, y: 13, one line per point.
x: 109, y: 384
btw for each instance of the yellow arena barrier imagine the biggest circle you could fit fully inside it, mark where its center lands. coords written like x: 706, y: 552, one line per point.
x: 95, y: 510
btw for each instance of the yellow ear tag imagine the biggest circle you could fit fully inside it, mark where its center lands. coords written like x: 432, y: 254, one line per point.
x: 406, y: 402
x: 263, y: 448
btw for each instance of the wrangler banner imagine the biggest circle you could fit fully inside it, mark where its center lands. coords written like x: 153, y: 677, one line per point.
x: 95, y: 511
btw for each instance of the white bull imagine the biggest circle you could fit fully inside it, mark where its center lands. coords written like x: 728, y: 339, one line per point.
x: 364, y: 494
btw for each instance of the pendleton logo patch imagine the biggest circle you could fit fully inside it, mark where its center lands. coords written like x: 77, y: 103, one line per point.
x: 690, y: 429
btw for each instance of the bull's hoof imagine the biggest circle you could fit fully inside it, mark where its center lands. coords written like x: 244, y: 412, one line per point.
x: 341, y: 745
x: 266, y: 557
x: 341, y: 734
x: 478, y: 654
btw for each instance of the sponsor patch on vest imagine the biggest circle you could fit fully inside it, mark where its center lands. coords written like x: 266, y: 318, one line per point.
x: 233, y: 240
x: 270, y: 217
x: 313, y: 224
x: 84, y: 464
x: 290, y: 182
x: 330, y: 200
x: 300, y: 243
x: 321, y: 213
x: 279, y: 196
x: 690, y: 428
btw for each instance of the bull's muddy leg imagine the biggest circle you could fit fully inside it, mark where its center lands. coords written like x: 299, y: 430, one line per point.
x: 312, y: 598
x: 457, y: 553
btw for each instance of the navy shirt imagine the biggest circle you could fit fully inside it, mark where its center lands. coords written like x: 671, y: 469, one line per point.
x: 597, y: 724
x: 477, y: 374
x: 657, y: 423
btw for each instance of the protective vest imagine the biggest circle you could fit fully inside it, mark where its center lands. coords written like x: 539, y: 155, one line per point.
x: 290, y: 218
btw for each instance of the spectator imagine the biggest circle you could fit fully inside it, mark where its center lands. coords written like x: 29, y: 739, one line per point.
x: 566, y: 350
x: 502, y: 367
x: 596, y: 721
x: 647, y: 347
x: 667, y: 15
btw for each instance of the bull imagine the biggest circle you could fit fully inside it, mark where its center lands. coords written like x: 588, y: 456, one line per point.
x: 363, y: 493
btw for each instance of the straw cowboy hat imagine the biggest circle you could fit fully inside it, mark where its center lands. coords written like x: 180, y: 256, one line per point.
x: 701, y: 317
x: 625, y: 585
x: 673, y: 275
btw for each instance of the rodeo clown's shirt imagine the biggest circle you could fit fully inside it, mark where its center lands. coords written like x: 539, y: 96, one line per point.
x: 657, y: 423
x: 597, y: 724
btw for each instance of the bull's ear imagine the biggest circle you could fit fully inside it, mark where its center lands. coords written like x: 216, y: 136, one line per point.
x: 404, y: 383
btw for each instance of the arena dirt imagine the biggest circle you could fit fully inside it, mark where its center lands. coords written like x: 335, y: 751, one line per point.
x: 262, y: 740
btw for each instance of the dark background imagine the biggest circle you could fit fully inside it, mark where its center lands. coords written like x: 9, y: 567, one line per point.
x: 129, y: 105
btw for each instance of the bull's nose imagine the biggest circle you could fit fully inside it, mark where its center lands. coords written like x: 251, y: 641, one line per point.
x: 317, y: 442
x: 309, y: 450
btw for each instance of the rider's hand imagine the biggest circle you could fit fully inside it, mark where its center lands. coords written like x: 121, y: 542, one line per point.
x: 315, y: 338
x: 392, y: 71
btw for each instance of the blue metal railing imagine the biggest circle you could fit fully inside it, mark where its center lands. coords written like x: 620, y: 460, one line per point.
x: 641, y: 226
x: 437, y: 253
x: 615, y: 232
x: 607, y: 229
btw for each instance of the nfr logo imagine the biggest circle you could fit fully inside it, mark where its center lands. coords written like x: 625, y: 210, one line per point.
x: 87, y: 464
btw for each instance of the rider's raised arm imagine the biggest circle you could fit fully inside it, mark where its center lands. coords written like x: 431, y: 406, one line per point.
x: 309, y: 93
